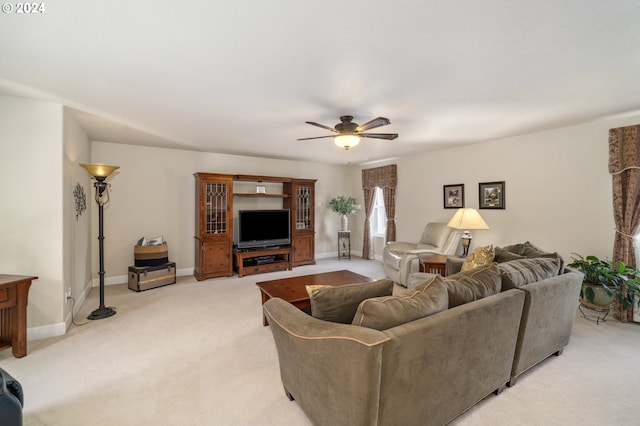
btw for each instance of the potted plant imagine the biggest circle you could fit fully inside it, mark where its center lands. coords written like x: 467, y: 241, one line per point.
x: 605, y: 281
x: 344, y: 206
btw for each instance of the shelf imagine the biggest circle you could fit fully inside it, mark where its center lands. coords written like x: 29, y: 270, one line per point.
x: 258, y: 195
x: 258, y: 178
x: 245, y: 265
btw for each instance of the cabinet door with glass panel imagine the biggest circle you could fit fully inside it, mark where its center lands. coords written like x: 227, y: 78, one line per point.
x: 301, y: 202
x: 214, y: 231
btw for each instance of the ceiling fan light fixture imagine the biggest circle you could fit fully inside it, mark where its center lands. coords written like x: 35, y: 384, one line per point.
x: 346, y: 141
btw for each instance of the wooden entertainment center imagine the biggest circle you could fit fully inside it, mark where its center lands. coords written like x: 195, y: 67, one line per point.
x: 214, y: 253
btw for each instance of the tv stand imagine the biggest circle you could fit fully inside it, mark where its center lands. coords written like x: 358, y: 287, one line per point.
x: 262, y: 260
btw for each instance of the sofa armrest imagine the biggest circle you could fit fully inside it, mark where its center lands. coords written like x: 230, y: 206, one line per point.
x: 400, y: 247
x: 419, y: 250
x: 332, y: 370
x: 453, y: 265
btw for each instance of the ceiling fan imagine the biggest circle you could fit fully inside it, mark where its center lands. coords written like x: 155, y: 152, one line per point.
x: 349, y: 134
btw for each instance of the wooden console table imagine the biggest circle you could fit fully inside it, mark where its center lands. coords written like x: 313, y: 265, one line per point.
x: 248, y: 262
x: 14, y: 296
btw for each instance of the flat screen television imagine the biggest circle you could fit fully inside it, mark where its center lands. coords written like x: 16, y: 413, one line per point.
x: 263, y: 228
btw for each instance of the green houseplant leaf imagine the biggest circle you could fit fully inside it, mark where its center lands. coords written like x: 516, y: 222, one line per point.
x: 343, y: 205
x: 614, y: 277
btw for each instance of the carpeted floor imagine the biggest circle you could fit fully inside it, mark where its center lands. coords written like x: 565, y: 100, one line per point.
x: 196, y: 353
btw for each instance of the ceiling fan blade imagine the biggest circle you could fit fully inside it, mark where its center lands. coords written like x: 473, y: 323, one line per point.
x: 322, y: 126
x: 376, y: 122
x: 317, y: 137
x: 388, y: 136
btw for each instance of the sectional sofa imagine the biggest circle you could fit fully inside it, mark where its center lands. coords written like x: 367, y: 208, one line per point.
x: 424, y: 356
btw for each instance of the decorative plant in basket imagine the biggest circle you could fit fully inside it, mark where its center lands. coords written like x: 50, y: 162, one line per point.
x: 344, y: 206
x: 605, y: 280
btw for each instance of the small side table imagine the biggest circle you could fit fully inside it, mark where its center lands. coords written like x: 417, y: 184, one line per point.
x: 598, y: 317
x: 344, y: 245
x: 434, y: 263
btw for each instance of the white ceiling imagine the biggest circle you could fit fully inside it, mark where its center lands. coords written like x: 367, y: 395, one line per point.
x: 242, y: 77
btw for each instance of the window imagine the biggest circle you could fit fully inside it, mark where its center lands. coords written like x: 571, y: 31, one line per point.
x: 378, y: 215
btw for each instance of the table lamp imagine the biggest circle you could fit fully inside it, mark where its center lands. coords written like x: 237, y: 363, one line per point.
x: 467, y: 219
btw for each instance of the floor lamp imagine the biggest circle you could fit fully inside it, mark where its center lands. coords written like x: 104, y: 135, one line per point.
x: 467, y: 219
x: 100, y: 173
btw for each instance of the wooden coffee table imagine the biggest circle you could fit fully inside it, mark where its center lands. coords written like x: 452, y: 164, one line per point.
x: 293, y: 289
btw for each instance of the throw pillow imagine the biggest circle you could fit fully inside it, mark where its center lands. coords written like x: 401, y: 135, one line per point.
x: 339, y: 304
x: 530, y: 251
x: 482, y: 256
x: 313, y: 287
x: 382, y: 313
x: 503, y: 255
x: 473, y: 284
x: 518, y: 273
x: 515, y: 248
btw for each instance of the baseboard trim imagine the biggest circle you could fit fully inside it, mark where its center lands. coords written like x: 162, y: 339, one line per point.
x: 51, y: 330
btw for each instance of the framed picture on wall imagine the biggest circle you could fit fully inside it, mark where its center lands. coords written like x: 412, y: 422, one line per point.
x: 453, y: 196
x: 491, y: 195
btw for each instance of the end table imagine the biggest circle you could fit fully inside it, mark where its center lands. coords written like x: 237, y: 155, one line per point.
x: 434, y: 263
x: 344, y: 245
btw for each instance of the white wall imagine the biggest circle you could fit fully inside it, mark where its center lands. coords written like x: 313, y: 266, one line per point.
x: 31, y: 189
x: 153, y: 194
x: 558, y: 189
x: 77, y: 231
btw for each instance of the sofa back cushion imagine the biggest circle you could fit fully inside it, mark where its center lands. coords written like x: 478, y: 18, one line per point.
x: 518, y: 273
x: 530, y: 251
x: 382, y: 313
x: 339, y: 304
x: 504, y: 255
x: 473, y: 284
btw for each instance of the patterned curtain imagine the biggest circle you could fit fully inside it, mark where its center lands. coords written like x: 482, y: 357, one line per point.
x: 385, y: 177
x: 369, y: 195
x: 624, y: 166
x: 390, y: 209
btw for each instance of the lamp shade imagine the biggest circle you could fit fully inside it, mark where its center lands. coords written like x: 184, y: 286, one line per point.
x: 346, y: 141
x: 467, y: 218
x: 99, y: 170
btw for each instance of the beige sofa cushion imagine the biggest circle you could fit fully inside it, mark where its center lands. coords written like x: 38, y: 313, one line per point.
x: 503, y: 255
x: 381, y: 313
x: 514, y: 248
x: 339, y: 304
x: 525, y: 250
x: 518, y: 273
x: 473, y: 284
x: 530, y: 251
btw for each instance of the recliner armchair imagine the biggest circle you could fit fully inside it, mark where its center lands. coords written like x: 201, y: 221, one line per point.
x: 11, y: 400
x: 401, y: 258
